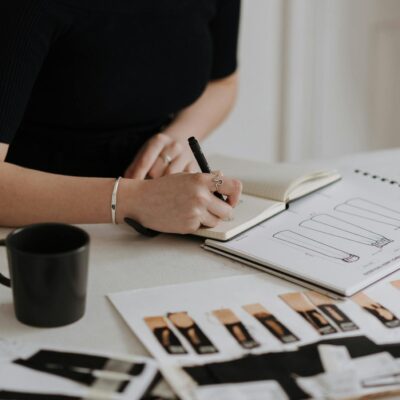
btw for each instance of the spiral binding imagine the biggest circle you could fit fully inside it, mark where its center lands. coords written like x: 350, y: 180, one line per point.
x: 377, y: 177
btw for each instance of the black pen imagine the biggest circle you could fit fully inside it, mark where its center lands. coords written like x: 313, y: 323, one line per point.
x: 201, y: 160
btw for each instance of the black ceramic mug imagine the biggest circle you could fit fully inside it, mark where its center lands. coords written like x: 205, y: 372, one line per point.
x: 48, y: 266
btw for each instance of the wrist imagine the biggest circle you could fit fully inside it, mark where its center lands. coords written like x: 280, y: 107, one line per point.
x: 128, y: 199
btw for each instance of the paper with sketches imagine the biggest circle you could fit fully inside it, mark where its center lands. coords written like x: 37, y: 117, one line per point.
x: 343, y: 237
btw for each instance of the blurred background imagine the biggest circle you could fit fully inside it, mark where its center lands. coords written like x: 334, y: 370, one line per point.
x: 318, y: 78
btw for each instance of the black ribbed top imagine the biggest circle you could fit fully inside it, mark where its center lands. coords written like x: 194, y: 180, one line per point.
x: 86, y: 66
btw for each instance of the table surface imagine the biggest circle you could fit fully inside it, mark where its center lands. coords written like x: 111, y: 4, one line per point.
x: 122, y: 260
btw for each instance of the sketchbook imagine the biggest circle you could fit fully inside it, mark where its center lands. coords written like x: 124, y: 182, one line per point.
x: 267, y: 189
x: 341, y: 239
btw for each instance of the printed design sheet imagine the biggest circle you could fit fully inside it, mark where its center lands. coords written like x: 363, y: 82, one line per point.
x: 213, y: 321
x: 228, y: 317
x: 32, y: 372
x: 342, y: 236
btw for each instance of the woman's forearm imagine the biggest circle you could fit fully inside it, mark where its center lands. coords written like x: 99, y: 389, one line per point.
x: 207, y: 112
x: 178, y: 203
x: 28, y: 196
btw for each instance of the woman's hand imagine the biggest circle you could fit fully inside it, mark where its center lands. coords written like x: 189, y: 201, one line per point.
x: 162, y: 155
x: 178, y: 203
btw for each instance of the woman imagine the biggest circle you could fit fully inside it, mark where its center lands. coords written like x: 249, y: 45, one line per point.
x: 91, y: 90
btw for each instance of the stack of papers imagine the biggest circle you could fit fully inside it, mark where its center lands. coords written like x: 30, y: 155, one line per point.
x: 251, y: 338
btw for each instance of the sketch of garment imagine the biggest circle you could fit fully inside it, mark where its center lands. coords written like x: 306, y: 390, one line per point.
x: 371, y: 211
x: 336, y: 227
x: 314, y: 245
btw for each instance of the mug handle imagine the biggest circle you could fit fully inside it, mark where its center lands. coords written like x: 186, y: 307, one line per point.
x: 3, y: 279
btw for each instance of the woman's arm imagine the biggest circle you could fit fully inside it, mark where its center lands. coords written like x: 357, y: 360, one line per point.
x: 199, y: 119
x: 29, y: 196
x: 177, y: 203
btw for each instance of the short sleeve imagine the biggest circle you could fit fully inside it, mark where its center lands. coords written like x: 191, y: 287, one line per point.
x: 225, y: 31
x: 25, y: 37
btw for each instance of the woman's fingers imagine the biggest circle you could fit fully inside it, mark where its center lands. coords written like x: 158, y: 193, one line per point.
x: 165, y: 161
x: 144, y: 161
x: 176, y: 166
x: 192, y: 167
x: 227, y: 186
x: 161, y: 156
x: 219, y: 208
x: 130, y: 170
x: 209, y: 220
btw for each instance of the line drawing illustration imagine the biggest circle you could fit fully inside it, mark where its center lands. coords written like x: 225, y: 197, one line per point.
x: 339, y: 228
x: 315, y: 246
x: 371, y: 211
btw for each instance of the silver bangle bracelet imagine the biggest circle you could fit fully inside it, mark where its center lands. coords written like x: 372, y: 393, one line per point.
x: 114, y: 201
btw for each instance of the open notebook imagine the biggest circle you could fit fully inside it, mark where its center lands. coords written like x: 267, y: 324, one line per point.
x: 267, y: 189
x: 341, y: 239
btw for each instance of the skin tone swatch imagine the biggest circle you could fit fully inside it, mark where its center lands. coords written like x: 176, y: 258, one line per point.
x: 168, y: 340
x: 236, y: 328
x: 328, y: 307
x: 385, y: 316
x: 192, y: 332
x: 270, y: 322
x: 300, y: 303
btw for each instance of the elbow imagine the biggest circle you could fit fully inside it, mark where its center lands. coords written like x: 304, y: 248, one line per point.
x: 228, y: 87
x: 232, y: 82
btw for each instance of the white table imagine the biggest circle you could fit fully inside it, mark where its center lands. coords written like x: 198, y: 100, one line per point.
x: 121, y: 260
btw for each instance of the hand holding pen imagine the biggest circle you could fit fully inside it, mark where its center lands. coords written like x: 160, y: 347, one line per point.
x: 181, y: 203
x: 204, y: 167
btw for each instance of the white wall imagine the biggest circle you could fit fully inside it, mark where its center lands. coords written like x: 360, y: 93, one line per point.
x: 351, y: 100
x: 250, y: 131
x: 319, y: 78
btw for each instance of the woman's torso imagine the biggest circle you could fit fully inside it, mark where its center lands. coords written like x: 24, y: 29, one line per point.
x: 110, y: 68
